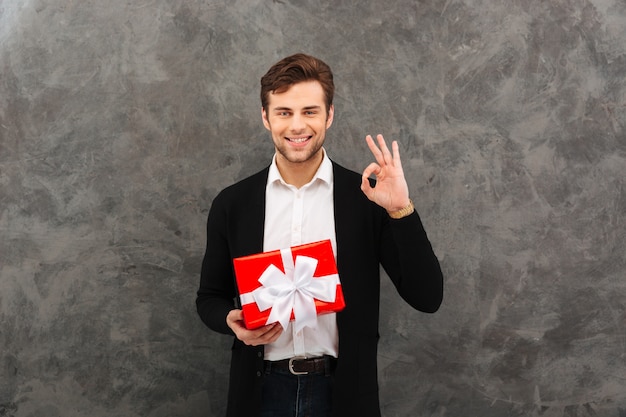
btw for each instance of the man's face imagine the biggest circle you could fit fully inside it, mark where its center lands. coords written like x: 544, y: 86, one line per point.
x: 297, y: 120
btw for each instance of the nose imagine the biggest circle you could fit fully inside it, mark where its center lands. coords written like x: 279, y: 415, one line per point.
x: 297, y: 123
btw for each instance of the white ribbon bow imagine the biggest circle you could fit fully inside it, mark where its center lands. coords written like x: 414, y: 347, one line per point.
x: 295, y: 289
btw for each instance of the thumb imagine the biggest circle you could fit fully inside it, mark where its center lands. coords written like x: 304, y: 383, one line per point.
x: 366, y: 187
x: 235, y: 315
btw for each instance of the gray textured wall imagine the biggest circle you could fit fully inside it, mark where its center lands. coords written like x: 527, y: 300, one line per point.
x: 121, y: 120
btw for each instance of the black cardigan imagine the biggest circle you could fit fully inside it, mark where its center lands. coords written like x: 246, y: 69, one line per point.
x: 366, y: 238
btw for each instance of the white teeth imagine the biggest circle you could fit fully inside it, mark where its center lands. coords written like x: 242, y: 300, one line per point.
x: 298, y: 140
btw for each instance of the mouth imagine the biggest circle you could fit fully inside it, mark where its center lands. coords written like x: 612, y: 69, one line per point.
x: 298, y: 139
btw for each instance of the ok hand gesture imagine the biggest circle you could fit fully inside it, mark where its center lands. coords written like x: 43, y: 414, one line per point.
x: 391, y: 191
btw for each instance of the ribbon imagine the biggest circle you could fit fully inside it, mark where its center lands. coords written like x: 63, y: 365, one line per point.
x: 296, y: 289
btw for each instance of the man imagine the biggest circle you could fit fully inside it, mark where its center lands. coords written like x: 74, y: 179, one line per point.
x: 304, y: 197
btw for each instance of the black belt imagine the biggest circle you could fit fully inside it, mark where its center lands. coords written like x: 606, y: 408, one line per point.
x: 303, y: 366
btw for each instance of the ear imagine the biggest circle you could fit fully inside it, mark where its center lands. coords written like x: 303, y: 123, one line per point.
x: 266, y: 122
x: 331, y: 115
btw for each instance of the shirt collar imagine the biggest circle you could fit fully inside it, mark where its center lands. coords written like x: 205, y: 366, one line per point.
x: 324, y: 172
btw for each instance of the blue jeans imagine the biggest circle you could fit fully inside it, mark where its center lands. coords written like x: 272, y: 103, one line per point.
x: 287, y: 395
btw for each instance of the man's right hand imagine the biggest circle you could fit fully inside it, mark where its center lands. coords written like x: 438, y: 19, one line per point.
x: 261, y: 336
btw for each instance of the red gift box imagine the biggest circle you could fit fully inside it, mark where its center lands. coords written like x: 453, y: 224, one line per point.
x: 296, y: 283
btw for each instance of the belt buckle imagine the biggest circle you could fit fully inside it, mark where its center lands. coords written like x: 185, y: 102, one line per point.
x: 291, y: 367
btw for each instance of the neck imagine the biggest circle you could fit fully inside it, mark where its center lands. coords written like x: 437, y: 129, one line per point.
x: 299, y: 173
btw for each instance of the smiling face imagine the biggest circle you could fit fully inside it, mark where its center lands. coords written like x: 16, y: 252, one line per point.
x: 297, y: 120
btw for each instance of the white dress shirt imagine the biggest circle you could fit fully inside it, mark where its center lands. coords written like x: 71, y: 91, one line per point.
x: 295, y: 216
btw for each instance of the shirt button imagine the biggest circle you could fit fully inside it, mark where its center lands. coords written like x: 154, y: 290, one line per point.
x: 258, y: 373
x: 259, y: 354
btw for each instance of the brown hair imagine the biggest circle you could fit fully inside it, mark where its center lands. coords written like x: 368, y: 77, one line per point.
x: 295, y: 69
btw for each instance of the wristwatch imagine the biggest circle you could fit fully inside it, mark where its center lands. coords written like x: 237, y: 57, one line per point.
x: 403, y: 212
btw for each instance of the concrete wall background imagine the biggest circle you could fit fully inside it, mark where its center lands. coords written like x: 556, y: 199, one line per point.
x: 120, y: 121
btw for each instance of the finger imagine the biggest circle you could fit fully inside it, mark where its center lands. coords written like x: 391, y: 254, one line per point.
x: 236, y: 314
x: 274, y: 334
x: 366, y: 187
x: 396, y: 154
x: 389, y: 159
x: 261, y: 332
x: 371, y: 169
x: 374, y: 149
x: 259, y: 336
x: 384, y: 150
x: 270, y: 334
x: 234, y: 319
x: 369, y: 192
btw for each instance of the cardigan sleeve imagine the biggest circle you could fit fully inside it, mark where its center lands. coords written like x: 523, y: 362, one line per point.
x: 234, y: 228
x: 409, y: 260
x: 216, y: 295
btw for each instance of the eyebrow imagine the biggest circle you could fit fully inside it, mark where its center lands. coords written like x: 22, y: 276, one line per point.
x: 290, y: 109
